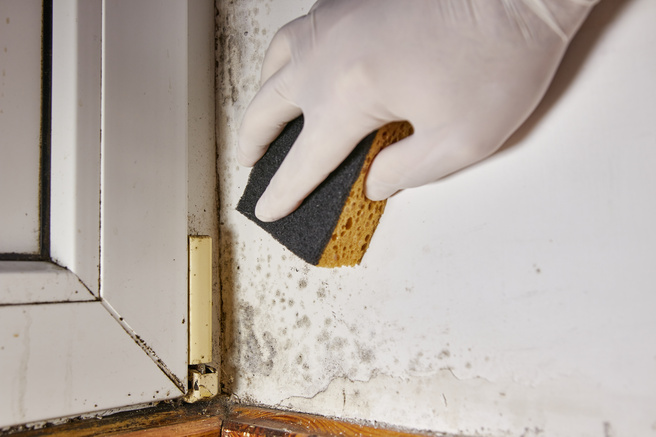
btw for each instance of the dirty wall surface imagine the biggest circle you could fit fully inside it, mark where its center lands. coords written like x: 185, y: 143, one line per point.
x: 514, y: 298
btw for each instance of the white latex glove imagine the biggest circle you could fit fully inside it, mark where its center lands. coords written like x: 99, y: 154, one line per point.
x: 465, y: 73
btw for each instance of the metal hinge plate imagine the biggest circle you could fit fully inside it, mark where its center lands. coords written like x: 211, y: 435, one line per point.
x: 203, y: 379
x: 203, y: 383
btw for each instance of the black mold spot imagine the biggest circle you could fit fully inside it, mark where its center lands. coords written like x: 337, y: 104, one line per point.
x: 365, y: 355
x: 303, y: 322
x: 337, y: 344
x: 324, y: 337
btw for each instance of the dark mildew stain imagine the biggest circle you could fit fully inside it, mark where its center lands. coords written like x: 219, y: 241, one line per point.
x: 365, y: 354
x: 303, y: 322
x: 257, y: 354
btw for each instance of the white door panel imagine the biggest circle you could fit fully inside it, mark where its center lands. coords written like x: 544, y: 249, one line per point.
x: 118, y: 221
x: 20, y: 122
x: 75, y: 138
x: 31, y: 282
x: 68, y: 359
x: 145, y: 175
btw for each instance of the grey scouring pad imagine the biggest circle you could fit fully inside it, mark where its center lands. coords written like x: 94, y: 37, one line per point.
x: 334, y: 224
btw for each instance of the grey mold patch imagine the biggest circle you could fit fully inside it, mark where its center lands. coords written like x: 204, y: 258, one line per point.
x: 257, y: 352
x: 365, y: 354
x: 303, y: 322
x: 445, y: 353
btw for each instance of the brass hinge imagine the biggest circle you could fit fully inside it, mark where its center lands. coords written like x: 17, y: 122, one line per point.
x: 203, y: 383
x: 203, y: 379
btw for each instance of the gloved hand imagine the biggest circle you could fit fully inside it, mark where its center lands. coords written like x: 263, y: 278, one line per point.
x: 465, y: 73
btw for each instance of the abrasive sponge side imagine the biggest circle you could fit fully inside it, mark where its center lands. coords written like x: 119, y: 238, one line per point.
x: 334, y: 224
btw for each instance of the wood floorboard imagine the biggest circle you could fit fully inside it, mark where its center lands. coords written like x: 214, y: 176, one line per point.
x: 211, y: 419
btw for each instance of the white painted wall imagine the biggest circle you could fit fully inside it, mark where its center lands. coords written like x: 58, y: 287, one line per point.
x: 515, y: 298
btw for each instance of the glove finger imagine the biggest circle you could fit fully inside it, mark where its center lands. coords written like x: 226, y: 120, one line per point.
x: 280, y: 49
x: 318, y: 150
x: 420, y: 159
x: 265, y: 117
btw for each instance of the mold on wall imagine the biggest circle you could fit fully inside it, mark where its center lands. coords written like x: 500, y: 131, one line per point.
x: 514, y: 298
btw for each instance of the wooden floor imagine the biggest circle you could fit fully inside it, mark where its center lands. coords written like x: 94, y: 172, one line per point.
x: 214, y: 418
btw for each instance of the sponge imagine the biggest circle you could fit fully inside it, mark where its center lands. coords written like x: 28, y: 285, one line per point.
x: 334, y: 224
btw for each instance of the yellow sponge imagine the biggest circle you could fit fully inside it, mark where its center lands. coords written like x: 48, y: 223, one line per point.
x: 335, y: 223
